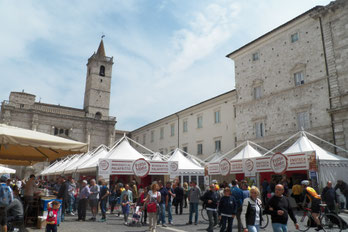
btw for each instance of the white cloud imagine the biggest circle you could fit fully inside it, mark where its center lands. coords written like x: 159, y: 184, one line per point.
x: 156, y: 73
x: 207, y: 30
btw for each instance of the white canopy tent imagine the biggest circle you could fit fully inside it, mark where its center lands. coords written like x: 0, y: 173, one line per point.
x: 122, y: 150
x: 216, y: 157
x: 188, y: 170
x: 71, y: 162
x: 158, y: 157
x: 5, y: 170
x: 91, y: 164
x: 72, y: 167
x: 247, y: 152
x: 55, y: 166
x: 331, y: 167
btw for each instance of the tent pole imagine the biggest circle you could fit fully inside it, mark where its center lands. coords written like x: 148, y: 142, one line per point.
x: 326, y: 141
x: 192, y: 157
x: 281, y: 143
x: 257, y: 145
x: 211, y: 156
x: 140, y: 145
x: 229, y: 152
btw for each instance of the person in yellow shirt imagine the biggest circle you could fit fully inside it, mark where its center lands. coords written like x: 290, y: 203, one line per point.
x: 297, y: 191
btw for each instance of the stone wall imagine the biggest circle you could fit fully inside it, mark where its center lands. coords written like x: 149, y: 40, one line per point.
x: 279, y: 58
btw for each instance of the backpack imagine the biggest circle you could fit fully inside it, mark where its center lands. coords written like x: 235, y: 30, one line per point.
x: 5, y: 195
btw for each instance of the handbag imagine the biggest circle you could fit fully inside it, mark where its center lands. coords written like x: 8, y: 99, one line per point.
x: 152, y: 207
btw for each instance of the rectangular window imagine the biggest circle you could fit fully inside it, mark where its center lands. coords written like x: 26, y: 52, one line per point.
x: 172, y: 129
x: 199, y: 149
x: 235, y: 111
x: 144, y: 139
x: 217, y: 145
x: 217, y: 116
x: 200, y: 122
x: 260, y: 129
x: 255, y: 56
x: 294, y: 37
x: 303, y: 120
x: 257, y: 92
x: 152, y: 136
x: 184, y: 149
x: 161, y: 133
x: 184, y: 126
x: 299, y: 79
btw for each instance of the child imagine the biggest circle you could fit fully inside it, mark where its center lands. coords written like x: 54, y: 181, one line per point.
x: 125, y: 208
x: 52, y: 215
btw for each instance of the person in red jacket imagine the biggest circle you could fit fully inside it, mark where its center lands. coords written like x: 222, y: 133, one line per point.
x: 52, y: 216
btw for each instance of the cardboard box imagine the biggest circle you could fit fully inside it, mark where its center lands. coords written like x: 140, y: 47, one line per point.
x: 41, y: 222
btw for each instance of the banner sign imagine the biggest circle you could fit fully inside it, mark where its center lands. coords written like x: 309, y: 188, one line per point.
x: 224, y: 167
x: 139, y: 167
x: 236, y: 166
x: 313, y: 162
x: 249, y: 167
x: 277, y: 163
x: 213, y: 169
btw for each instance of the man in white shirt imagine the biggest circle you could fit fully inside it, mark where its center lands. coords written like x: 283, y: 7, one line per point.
x: 29, y: 189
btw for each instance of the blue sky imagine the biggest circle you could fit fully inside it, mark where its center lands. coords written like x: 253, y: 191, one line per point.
x: 168, y: 54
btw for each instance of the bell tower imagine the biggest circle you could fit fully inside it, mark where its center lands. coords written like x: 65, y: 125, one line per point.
x: 98, y: 83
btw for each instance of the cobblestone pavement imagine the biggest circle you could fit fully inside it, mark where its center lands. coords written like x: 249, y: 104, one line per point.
x: 115, y: 224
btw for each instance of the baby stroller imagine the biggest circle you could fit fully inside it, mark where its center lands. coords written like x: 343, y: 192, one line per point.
x: 137, y: 217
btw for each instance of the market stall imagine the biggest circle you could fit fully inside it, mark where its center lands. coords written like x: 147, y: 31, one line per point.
x: 325, y: 166
x: 125, y: 163
x: 188, y: 170
x: 241, y: 165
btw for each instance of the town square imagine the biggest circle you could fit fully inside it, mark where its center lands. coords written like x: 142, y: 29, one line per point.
x: 140, y: 115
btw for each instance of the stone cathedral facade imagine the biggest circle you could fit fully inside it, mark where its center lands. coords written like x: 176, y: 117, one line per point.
x: 91, y: 125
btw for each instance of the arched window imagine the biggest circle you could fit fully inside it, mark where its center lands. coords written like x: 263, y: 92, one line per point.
x: 98, y: 115
x: 102, y: 71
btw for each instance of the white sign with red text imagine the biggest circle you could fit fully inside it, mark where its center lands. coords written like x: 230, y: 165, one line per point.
x: 249, y: 167
x: 279, y: 163
x: 224, y: 167
x: 139, y: 167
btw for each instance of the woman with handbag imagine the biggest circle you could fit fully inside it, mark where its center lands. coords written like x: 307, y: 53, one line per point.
x: 151, y: 202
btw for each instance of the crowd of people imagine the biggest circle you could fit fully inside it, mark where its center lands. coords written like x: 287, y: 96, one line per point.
x: 152, y: 205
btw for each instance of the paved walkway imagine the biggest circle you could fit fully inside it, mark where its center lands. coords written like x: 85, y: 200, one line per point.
x: 114, y: 224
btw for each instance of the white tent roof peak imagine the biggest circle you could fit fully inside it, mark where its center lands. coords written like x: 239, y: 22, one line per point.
x: 247, y: 152
x: 303, y: 144
x: 216, y: 158
x: 183, y: 162
x: 92, y: 162
x: 124, y: 151
x: 157, y: 157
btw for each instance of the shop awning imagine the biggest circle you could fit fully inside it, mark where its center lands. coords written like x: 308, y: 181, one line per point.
x: 18, y: 145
